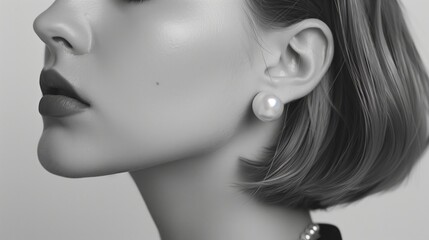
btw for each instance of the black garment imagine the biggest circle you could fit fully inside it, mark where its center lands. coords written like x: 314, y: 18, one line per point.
x: 329, y: 232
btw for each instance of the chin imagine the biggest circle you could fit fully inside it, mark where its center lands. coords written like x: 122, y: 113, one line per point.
x: 67, y: 157
x: 62, y: 166
x: 52, y: 166
x: 70, y: 161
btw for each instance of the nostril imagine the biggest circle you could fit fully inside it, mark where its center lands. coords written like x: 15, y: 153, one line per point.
x: 63, y: 42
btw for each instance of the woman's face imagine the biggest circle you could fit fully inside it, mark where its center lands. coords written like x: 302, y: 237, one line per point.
x: 165, y: 79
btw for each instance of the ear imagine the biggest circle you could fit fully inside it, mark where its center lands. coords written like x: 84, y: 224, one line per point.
x: 297, y: 59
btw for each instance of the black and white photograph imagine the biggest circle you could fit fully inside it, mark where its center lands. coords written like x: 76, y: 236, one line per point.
x: 214, y: 119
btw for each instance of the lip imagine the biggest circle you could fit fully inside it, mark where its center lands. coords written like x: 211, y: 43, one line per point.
x: 59, y: 99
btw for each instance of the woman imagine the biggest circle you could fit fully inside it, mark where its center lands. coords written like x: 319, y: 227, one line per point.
x: 235, y: 118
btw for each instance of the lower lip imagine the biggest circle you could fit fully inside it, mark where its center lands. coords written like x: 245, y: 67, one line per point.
x: 60, y: 106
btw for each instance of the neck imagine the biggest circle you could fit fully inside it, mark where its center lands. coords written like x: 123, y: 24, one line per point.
x: 195, y: 198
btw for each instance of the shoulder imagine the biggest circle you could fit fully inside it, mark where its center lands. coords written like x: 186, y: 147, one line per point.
x: 329, y: 232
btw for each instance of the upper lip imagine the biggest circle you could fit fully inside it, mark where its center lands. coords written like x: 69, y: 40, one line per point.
x: 53, y: 83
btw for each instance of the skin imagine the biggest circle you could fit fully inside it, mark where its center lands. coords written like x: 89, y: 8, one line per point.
x: 171, y: 85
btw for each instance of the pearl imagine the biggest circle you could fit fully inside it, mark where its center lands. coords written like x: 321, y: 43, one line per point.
x: 310, y: 233
x: 267, y: 106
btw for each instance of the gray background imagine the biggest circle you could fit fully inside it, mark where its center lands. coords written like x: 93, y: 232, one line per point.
x: 37, y: 205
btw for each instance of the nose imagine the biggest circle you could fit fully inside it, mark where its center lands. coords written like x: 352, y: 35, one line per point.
x: 64, y: 27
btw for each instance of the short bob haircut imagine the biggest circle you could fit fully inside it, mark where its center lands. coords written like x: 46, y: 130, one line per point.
x: 364, y: 127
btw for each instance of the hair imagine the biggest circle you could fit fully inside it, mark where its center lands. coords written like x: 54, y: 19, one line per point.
x: 364, y: 127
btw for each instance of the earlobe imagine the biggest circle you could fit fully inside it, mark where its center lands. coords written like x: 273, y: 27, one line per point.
x: 305, y: 53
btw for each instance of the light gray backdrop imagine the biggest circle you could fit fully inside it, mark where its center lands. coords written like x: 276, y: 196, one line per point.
x: 37, y: 205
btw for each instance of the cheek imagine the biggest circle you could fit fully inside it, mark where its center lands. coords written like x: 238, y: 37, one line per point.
x: 184, y: 94
x: 190, y: 104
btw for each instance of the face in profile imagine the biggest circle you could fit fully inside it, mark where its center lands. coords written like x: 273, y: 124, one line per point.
x: 155, y: 81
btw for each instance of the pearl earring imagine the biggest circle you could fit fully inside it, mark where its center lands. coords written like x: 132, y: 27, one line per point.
x: 267, y: 107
